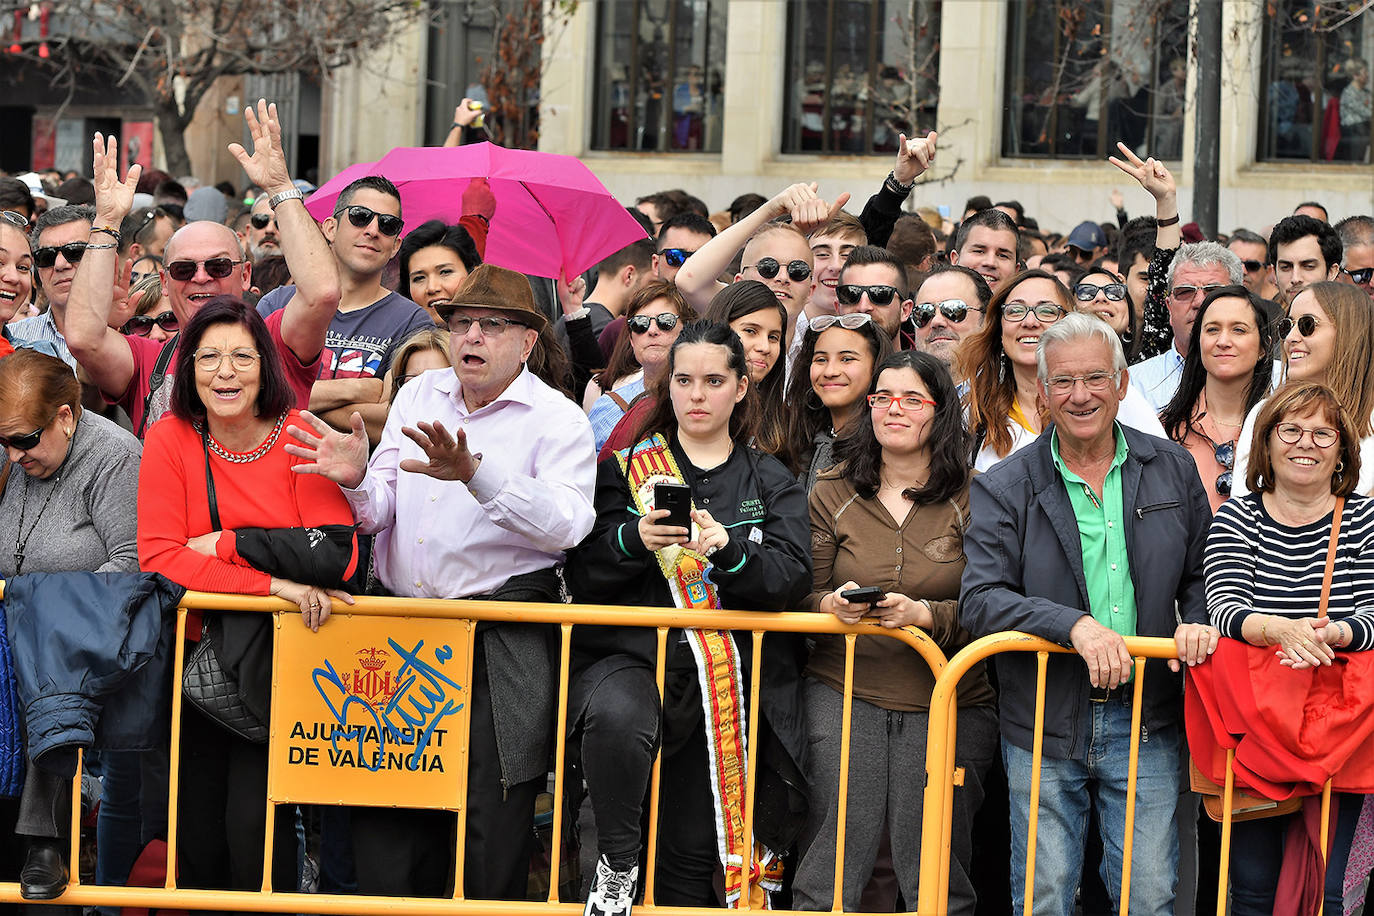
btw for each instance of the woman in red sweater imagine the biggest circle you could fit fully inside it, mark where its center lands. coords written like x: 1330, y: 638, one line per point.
x: 222, y: 447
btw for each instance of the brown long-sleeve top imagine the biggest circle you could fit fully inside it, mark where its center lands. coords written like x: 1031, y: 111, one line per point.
x: 857, y: 539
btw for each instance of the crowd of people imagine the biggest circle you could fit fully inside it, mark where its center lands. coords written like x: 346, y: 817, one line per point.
x: 971, y: 427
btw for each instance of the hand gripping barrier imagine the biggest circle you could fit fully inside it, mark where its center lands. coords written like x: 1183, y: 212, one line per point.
x: 942, y: 775
x: 466, y: 615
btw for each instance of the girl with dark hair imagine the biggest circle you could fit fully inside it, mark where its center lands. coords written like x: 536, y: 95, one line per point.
x: 1226, y: 373
x: 219, y: 464
x: 435, y: 260
x: 1103, y: 293
x: 754, y: 313
x: 892, y: 514
x: 839, y: 353
x: 746, y: 548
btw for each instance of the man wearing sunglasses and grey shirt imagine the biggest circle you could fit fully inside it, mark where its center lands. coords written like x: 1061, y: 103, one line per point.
x: 372, y: 321
x: 202, y: 260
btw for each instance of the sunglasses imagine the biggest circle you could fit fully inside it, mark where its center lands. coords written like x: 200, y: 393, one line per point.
x: 850, y: 293
x: 142, y: 325
x: 1087, y: 292
x: 954, y: 309
x: 639, y: 324
x: 1361, y: 276
x: 676, y: 257
x: 1252, y: 266
x: 1306, y: 325
x: 145, y: 221
x: 1225, y: 454
x: 15, y: 218
x: 25, y: 442
x: 260, y: 220
x: 768, y: 268
x: 360, y: 217
x: 46, y: 257
x: 216, y: 268
x: 851, y: 322
x: 1186, y: 293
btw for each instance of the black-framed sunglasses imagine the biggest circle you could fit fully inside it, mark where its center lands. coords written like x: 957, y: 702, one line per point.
x: 27, y: 441
x: 360, y: 216
x: 142, y: 325
x: 146, y: 218
x: 1360, y: 276
x: 260, y: 221
x: 1225, y: 454
x: 1087, y: 292
x: 216, y: 268
x: 46, y: 257
x: 676, y: 257
x: 956, y: 310
x: 639, y: 324
x: 768, y: 268
x: 1252, y: 265
x: 850, y: 293
x: 1306, y: 325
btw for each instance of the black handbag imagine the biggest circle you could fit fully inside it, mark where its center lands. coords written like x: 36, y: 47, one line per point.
x: 210, y: 688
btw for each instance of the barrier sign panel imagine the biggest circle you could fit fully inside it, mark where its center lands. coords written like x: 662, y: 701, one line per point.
x: 370, y: 711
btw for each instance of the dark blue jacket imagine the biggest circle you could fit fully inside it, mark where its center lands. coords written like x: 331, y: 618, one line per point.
x: 92, y: 647
x: 1025, y: 572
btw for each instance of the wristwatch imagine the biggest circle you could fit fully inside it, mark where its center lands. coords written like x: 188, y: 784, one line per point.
x: 276, y: 199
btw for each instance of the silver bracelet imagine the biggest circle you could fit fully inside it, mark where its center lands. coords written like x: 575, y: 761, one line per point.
x: 90, y: 247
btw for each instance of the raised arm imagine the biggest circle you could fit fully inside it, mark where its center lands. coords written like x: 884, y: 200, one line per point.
x: 1155, y: 178
x: 101, y: 350
x: 307, y: 253
x: 880, y: 214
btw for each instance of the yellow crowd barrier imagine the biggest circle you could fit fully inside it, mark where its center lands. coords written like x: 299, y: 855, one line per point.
x: 942, y: 775
x: 465, y: 615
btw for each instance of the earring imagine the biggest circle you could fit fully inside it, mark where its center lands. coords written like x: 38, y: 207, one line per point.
x: 1340, y: 466
x: 1001, y: 368
x: 813, y: 400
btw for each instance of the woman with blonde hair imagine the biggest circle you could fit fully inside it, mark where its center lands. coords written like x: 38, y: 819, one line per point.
x: 1326, y: 338
x: 422, y: 351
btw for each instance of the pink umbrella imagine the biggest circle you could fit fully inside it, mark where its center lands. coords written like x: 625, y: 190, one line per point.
x: 552, y: 214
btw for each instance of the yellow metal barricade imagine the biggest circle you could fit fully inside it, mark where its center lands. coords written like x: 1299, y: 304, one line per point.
x: 942, y: 777
x: 466, y: 615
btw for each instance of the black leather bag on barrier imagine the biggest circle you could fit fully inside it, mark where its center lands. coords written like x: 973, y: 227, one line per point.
x: 212, y: 689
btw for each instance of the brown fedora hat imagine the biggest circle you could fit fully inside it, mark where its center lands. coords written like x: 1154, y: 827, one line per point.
x: 492, y: 287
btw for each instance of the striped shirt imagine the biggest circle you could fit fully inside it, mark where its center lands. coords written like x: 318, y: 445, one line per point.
x: 1254, y: 564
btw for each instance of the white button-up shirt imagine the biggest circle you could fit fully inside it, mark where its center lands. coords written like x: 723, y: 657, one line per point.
x: 1157, y: 377
x: 530, y: 500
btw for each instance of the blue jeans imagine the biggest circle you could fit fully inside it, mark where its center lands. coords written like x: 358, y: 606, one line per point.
x: 133, y: 811
x: 1257, y: 857
x: 1068, y: 787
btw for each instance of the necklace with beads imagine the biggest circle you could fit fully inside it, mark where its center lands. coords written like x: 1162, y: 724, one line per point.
x: 245, y: 457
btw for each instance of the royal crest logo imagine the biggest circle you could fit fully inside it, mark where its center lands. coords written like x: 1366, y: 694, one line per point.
x: 371, y: 681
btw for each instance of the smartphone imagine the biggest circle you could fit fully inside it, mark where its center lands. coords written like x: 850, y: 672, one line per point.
x: 677, y: 499
x: 866, y: 595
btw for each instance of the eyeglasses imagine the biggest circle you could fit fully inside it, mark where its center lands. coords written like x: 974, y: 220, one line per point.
x: 639, y: 324
x: 46, y: 257
x: 260, y: 220
x: 1087, y: 292
x: 676, y: 257
x: 361, y: 216
x: 1252, y: 266
x: 1322, y: 436
x: 1225, y: 454
x: 1306, y: 325
x: 142, y: 325
x: 1093, y: 381
x: 851, y: 322
x: 1044, y: 311
x: 768, y: 268
x: 208, y: 360
x: 912, y: 402
x: 216, y: 268
x: 15, y: 218
x: 954, y: 309
x: 26, y: 442
x: 1360, y: 276
x: 1186, y: 293
x: 488, y: 325
x: 850, y: 293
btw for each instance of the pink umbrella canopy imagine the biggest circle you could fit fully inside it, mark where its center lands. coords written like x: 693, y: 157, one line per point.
x: 552, y: 214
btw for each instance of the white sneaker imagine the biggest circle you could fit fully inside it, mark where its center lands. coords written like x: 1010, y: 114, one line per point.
x: 613, y: 892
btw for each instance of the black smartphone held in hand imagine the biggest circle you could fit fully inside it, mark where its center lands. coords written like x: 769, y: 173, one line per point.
x: 677, y: 499
x: 866, y: 595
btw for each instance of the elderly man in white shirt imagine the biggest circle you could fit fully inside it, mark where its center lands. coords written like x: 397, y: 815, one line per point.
x: 483, y: 477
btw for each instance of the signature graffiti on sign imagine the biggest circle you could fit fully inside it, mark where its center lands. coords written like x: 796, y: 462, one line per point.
x: 406, y: 708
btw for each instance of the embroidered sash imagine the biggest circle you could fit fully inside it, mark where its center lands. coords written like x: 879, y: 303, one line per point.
x: 722, y: 688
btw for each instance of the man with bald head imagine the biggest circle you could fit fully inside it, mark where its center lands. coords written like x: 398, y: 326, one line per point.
x: 202, y: 260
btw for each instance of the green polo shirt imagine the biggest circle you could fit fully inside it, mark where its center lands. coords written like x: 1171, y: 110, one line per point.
x: 1102, y: 535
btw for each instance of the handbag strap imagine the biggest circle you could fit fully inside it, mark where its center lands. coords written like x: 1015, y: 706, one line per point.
x: 1336, y: 514
x: 210, y: 485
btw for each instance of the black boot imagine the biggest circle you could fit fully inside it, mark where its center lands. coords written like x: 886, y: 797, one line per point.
x: 44, y: 875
